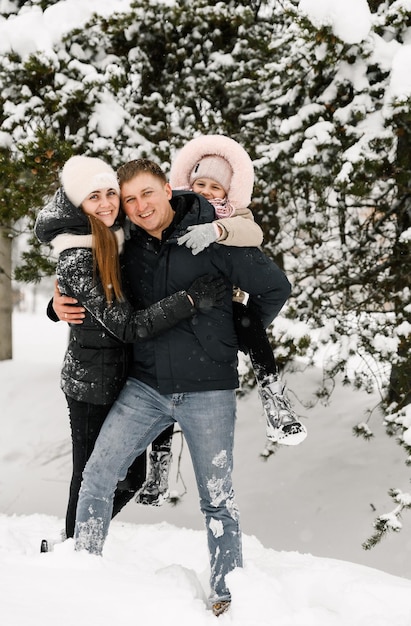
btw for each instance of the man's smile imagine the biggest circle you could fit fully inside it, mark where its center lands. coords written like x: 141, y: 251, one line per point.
x: 147, y: 214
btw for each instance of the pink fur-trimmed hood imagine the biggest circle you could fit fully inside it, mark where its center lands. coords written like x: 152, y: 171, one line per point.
x: 241, y: 187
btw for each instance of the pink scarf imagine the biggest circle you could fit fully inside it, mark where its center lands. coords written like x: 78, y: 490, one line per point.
x: 222, y: 207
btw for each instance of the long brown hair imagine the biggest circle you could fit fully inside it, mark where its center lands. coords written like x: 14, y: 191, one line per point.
x: 106, y: 264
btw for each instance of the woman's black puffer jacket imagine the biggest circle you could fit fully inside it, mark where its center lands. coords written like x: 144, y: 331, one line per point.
x: 96, y: 361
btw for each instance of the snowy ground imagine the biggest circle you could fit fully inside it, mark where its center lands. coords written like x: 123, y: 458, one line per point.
x: 304, y: 511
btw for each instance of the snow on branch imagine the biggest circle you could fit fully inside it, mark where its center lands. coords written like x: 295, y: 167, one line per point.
x: 389, y: 521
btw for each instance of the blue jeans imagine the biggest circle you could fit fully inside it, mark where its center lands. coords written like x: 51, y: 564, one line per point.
x: 137, y: 417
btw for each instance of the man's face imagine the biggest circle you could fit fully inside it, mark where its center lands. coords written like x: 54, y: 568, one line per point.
x: 146, y: 201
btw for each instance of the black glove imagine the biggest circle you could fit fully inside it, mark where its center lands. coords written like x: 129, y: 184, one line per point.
x: 207, y: 291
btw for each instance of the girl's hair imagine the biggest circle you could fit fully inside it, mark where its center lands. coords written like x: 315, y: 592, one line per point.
x: 106, y: 262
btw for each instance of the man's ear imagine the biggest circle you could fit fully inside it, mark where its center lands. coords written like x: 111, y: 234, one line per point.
x: 169, y: 191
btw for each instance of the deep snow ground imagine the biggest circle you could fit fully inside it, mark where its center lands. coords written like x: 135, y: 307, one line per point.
x: 305, y: 512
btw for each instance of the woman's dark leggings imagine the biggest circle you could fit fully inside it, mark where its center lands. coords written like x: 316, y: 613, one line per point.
x: 252, y: 340
x: 86, y: 421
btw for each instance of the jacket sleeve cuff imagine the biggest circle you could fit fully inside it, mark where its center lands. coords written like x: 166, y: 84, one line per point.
x: 220, y: 230
x: 51, y: 314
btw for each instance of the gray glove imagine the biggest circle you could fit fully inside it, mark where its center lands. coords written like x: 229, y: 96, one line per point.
x: 198, y: 237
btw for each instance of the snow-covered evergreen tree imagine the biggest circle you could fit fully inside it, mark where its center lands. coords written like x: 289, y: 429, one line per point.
x: 336, y: 158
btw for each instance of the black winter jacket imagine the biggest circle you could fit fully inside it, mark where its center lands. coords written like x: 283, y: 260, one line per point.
x: 200, y: 354
x: 96, y: 361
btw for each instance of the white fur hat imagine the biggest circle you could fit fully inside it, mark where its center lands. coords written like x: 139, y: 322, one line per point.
x: 222, y: 150
x: 82, y: 174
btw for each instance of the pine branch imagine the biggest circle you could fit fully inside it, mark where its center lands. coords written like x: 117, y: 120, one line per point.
x: 389, y: 521
x: 270, y: 449
x: 363, y: 430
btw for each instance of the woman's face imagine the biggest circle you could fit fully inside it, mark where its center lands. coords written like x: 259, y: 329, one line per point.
x: 104, y: 204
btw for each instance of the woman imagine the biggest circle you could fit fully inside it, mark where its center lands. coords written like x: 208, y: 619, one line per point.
x: 83, y: 225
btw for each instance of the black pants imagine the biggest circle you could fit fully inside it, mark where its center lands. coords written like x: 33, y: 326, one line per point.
x: 252, y: 340
x: 86, y: 421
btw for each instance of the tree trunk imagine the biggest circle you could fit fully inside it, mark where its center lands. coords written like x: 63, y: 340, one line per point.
x: 6, y: 305
x: 400, y: 387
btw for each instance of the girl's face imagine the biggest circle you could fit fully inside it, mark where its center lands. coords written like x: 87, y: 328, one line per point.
x: 209, y: 188
x: 104, y: 204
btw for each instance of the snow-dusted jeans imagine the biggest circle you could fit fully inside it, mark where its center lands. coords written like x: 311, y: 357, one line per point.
x: 137, y: 417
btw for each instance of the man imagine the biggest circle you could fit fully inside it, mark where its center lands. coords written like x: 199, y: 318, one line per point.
x: 188, y: 374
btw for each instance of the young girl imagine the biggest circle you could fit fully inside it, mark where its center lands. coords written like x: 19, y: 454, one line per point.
x: 82, y: 224
x: 219, y: 169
